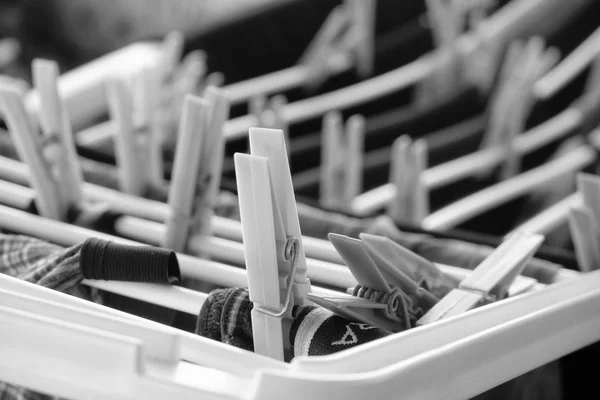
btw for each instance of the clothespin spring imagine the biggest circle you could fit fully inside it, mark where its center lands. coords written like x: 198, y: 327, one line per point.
x: 393, y: 299
x: 290, y: 253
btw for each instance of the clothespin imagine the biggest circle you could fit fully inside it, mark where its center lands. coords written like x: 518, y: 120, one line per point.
x: 140, y: 166
x: 348, y: 31
x: 411, y: 200
x: 420, y: 270
x: 215, y: 79
x: 387, y: 274
x: 513, y: 99
x: 153, y: 121
x: 197, y: 169
x: 10, y: 49
x: 257, y: 106
x: 448, y: 19
x: 584, y: 223
x: 269, y: 113
x: 275, y: 260
x: 490, y: 281
x: 186, y: 80
x: 51, y: 157
x: 172, y: 51
x: 341, y: 160
x: 175, y: 80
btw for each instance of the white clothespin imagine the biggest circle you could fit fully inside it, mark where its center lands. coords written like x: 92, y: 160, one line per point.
x: 448, y: 19
x: 386, y: 274
x: 127, y: 154
x: 140, y: 165
x: 490, y: 281
x: 197, y: 169
x: 341, y: 160
x: 10, y: 49
x: 348, y: 31
x: 513, y: 100
x: 411, y: 200
x: 215, y: 79
x: 51, y: 157
x: 257, y: 106
x: 171, y: 53
x: 152, y: 119
x: 187, y: 79
x: 584, y: 223
x: 275, y: 260
x: 275, y: 118
x: 269, y: 113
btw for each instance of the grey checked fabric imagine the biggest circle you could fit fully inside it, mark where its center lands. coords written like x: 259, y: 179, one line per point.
x: 47, y: 265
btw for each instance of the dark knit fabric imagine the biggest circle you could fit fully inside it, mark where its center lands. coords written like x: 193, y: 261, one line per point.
x: 225, y: 317
x: 102, y: 259
x: 317, y: 331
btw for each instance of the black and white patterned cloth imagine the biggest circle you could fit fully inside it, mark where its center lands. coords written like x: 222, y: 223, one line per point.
x: 225, y: 317
x: 60, y: 269
x: 47, y: 265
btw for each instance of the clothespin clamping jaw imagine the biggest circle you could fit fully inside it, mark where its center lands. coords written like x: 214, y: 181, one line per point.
x: 275, y: 261
x: 51, y: 157
x: 584, y: 223
x: 348, y: 32
x: 197, y: 169
x: 341, y: 160
x: 513, y: 99
x: 392, y: 290
x: 490, y: 281
x: 411, y: 200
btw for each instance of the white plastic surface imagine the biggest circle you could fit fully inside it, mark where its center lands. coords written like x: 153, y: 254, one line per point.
x: 486, y: 199
x: 466, y: 166
x: 56, y: 128
x: 571, y: 66
x: 193, y: 348
x: 193, y: 137
x: 132, y: 178
x: 82, y: 88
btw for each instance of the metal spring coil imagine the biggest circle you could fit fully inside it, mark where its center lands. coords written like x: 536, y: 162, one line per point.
x: 394, y: 300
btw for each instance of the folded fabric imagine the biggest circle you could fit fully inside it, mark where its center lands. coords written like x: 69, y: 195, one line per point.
x: 43, y: 263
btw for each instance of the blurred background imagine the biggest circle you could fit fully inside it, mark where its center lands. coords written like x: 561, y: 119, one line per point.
x: 74, y: 32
